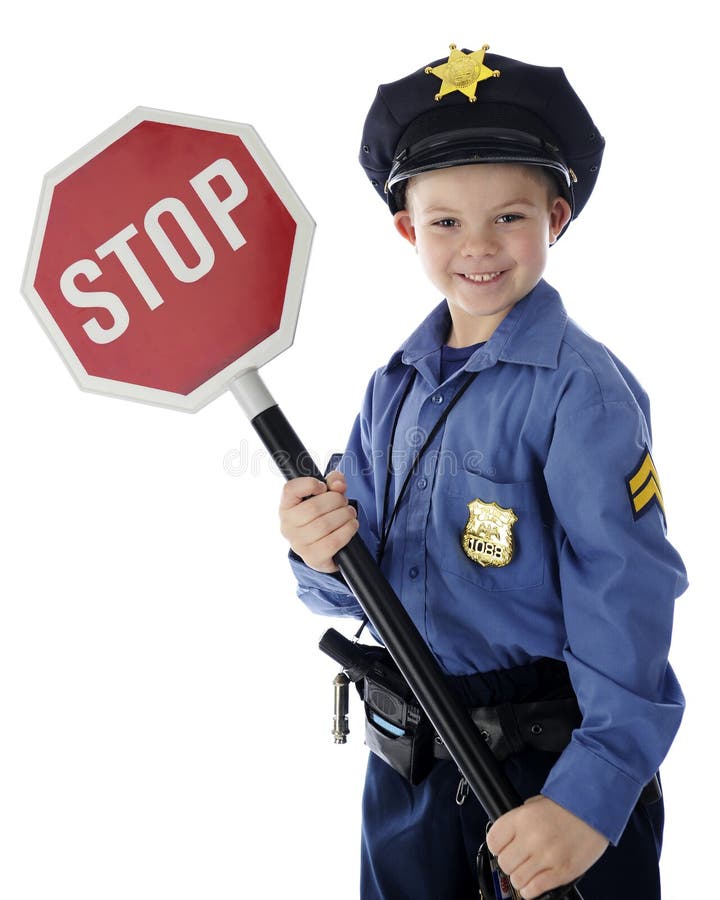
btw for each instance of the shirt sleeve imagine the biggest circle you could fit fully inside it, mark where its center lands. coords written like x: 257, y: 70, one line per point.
x: 619, y: 578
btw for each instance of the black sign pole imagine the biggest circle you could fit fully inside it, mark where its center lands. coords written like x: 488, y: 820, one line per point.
x: 391, y: 621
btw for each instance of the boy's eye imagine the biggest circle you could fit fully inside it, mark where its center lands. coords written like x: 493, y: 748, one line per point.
x: 509, y: 218
x: 446, y: 223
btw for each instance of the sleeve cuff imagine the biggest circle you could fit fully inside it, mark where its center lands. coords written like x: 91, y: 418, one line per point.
x: 324, y: 593
x: 593, y: 789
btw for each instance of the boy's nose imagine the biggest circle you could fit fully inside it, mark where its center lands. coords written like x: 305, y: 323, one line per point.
x: 479, y: 242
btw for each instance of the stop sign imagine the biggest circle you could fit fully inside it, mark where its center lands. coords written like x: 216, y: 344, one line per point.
x: 168, y: 256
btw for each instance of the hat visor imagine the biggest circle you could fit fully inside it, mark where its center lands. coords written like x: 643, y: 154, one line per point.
x: 482, y: 145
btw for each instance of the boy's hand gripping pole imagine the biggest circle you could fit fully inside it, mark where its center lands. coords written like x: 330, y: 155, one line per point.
x: 390, y: 620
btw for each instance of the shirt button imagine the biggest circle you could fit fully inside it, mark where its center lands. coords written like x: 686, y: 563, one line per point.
x: 437, y: 398
x: 413, y: 572
x: 422, y: 483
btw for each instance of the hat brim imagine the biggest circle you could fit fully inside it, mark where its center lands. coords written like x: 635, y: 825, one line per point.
x: 467, y: 146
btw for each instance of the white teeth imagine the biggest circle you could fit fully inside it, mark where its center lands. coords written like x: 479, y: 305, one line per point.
x: 487, y: 276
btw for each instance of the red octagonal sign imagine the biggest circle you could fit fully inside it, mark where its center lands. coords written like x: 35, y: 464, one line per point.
x: 168, y: 256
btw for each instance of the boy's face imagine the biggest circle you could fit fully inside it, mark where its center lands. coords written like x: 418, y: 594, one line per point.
x: 482, y: 233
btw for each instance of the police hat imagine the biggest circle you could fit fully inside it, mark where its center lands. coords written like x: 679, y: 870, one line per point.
x: 483, y: 108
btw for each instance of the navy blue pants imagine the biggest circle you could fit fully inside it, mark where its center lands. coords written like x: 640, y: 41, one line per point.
x: 417, y: 843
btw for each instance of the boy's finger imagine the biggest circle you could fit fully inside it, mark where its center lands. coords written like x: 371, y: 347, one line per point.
x: 311, y: 508
x: 318, y: 529
x: 297, y: 489
x: 335, y: 541
x: 336, y: 481
x: 500, y: 834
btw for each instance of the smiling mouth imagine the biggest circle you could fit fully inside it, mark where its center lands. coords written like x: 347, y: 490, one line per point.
x: 482, y: 277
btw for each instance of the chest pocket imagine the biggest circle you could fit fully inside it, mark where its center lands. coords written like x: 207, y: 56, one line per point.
x: 489, y: 533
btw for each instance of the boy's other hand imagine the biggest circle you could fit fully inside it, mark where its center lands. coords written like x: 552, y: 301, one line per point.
x: 317, y: 519
x: 541, y: 846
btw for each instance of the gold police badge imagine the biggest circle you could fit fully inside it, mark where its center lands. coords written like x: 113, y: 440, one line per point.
x: 488, y: 537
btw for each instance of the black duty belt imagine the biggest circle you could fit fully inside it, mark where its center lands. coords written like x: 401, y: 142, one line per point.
x: 547, y: 725
x: 398, y: 731
x: 511, y: 728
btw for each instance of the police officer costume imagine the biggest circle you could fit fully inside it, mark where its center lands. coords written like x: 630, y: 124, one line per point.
x: 529, y: 543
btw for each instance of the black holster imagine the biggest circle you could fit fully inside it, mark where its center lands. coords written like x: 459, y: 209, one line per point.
x: 396, y: 727
x: 397, y: 730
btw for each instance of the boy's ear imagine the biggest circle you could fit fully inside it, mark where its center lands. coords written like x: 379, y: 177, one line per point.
x: 404, y: 226
x: 560, y: 215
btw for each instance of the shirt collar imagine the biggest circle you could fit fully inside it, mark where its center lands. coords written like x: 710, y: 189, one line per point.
x: 530, y: 334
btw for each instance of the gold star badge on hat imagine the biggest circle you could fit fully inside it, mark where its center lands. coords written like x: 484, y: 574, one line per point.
x: 462, y: 72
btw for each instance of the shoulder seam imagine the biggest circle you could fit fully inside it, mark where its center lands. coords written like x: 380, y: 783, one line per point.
x: 590, y: 368
x: 603, y: 404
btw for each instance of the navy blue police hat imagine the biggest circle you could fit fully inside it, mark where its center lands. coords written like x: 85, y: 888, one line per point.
x: 484, y: 108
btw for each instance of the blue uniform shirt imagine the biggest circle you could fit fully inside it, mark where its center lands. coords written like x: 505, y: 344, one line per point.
x: 556, y: 430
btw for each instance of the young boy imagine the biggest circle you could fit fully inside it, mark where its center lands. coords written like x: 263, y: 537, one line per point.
x: 500, y: 469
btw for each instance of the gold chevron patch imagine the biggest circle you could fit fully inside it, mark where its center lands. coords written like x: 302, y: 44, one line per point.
x: 644, y: 487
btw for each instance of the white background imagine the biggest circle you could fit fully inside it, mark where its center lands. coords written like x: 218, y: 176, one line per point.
x: 164, y: 714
